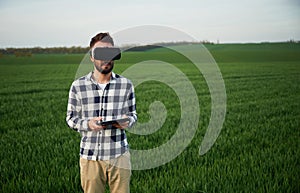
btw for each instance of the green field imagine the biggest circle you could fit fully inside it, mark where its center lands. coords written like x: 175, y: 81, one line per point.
x: 258, y: 149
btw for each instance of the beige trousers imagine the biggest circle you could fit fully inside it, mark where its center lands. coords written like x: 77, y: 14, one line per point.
x: 116, y: 172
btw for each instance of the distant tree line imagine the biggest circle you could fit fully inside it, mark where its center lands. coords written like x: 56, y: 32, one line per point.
x: 27, y: 52
x: 39, y: 50
x: 82, y: 50
x: 140, y: 48
x: 159, y: 45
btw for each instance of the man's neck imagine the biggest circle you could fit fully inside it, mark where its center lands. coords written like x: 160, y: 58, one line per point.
x: 101, y: 78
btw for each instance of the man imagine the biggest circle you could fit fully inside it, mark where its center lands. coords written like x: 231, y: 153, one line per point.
x: 99, y: 96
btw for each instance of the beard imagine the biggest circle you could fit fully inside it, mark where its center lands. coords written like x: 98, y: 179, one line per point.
x: 105, y: 67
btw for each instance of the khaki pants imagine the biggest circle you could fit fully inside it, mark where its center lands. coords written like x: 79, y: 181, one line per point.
x: 116, y: 172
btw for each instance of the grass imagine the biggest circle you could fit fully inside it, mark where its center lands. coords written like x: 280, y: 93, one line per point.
x: 258, y: 149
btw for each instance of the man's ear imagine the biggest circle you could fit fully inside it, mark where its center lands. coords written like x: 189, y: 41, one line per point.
x: 91, y: 56
x: 92, y: 59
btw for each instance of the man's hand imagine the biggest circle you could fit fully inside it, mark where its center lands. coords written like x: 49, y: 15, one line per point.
x: 93, y: 124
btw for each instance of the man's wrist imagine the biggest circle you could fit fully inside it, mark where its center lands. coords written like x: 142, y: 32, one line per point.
x: 88, y: 125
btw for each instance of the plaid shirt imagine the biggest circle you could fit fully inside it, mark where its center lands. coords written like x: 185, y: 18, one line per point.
x: 87, y: 100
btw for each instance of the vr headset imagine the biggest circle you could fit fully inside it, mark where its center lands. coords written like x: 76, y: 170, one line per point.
x: 106, y: 53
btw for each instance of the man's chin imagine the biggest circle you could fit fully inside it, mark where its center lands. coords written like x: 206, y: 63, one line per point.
x: 105, y: 69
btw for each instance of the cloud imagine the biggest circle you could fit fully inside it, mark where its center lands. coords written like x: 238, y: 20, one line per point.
x: 66, y: 22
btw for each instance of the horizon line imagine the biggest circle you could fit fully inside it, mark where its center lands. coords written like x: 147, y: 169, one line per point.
x: 158, y: 43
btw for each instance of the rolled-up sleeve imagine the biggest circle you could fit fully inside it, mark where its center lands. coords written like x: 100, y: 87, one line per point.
x: 74, y: 112
x: 131, y: 107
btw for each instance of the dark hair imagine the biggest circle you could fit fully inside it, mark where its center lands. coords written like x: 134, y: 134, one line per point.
x: 103, y: 37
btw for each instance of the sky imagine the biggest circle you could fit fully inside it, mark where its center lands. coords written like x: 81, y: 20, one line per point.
x: 54, y: 23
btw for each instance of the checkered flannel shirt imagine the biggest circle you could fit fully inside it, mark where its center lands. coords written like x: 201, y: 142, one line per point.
x: 87, y: 100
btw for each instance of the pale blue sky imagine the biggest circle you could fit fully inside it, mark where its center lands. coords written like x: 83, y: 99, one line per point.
x: 72, y: 23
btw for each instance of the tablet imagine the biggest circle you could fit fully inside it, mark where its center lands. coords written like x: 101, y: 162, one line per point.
x: 114, y: 121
